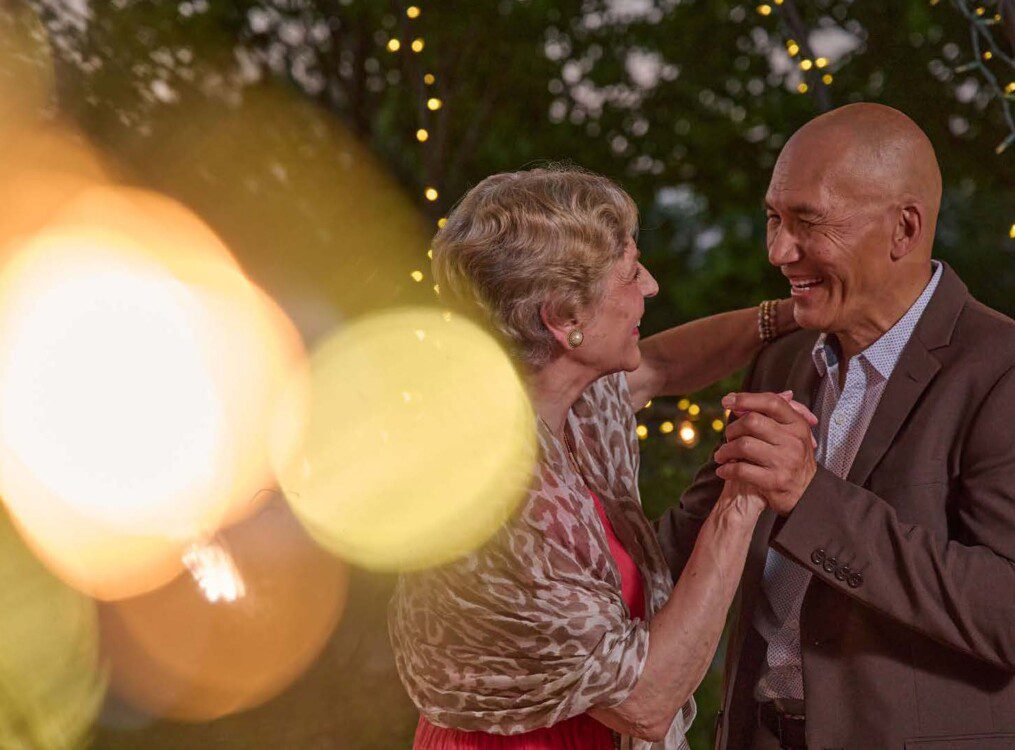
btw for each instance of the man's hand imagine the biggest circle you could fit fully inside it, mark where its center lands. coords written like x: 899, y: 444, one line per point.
x: 769, y: 446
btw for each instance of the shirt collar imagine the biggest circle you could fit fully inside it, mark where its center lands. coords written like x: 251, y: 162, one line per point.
x: 884, y: 353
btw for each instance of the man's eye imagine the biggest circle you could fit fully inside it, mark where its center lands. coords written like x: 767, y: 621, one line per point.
x: 773, y: 218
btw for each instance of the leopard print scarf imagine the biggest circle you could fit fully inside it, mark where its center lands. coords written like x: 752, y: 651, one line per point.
x: 531, y: 629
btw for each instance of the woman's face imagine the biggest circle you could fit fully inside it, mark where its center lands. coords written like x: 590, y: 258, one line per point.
x: 611, y: 329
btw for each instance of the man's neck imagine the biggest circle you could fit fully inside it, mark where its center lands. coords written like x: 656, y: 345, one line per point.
x: 881, y: 316
x: 555, y: 387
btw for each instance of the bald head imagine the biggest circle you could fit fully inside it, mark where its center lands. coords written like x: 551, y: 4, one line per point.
x: 852, y: 208
x: 871, y: 151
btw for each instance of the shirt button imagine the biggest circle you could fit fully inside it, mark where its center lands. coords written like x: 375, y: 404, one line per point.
x: 837, y: 420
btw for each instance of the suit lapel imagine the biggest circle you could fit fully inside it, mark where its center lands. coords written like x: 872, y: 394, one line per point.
x: 914, y: 371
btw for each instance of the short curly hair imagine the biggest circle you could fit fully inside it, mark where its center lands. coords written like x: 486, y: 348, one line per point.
x: 518, y: 240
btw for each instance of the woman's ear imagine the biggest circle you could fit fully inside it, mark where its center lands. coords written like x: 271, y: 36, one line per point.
x: 557, y: 324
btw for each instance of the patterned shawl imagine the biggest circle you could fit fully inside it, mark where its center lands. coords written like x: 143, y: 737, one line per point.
x: 531, y: 629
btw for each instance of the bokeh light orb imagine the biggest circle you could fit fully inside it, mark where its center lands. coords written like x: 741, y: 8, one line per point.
x: 418, y: 443
x: 139, y: 371
x: 253, y: 611
x: 51, y: 685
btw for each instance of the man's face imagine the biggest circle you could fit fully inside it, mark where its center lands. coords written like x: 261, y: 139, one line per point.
x: 830, y: 236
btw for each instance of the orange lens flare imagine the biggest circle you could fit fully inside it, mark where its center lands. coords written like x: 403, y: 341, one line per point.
x: 254, y: 610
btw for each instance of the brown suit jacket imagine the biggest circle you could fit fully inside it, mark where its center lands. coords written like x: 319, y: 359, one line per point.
x: 915, y: 648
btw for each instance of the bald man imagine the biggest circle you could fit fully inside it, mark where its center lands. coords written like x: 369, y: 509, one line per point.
x: 877, y: 605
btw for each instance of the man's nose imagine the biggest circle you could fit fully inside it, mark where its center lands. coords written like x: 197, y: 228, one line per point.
x: 784, y: 248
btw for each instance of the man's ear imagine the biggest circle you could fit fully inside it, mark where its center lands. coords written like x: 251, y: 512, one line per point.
x: 556, y: 323
x: 907, y: 231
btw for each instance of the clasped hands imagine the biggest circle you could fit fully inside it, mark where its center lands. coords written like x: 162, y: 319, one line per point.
x: 769, y: 447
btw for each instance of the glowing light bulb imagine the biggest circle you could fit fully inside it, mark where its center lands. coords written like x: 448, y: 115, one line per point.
x: 412, y: 11
x: 417, y: 276
x: 642, y: 431
x: 422, y: 135
x: 666, y: 427
x: 688, y: 435
x: 417, y: 45
x: 433, y: 103
x: 431, y: 194
x: 718, y: 424
x: 429, y: 79
x: 394, y: 45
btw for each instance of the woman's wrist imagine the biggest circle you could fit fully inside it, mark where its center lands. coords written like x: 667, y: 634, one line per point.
x: 739, y: 504
x: 785, y: 319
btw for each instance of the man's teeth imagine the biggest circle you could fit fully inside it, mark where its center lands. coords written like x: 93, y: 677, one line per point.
x: 805, y: 283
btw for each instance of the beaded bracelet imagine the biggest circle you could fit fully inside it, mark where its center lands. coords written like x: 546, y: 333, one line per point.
x: 768, y: 323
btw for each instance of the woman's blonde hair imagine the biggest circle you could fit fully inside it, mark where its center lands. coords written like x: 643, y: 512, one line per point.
x: 518, y: 240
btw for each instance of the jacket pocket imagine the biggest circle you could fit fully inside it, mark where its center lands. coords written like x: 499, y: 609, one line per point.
x: 963, y: 742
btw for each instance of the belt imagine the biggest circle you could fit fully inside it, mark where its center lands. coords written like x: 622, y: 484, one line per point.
x: 789, y: 728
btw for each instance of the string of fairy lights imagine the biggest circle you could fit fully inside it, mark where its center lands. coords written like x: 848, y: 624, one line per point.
x: 683, y: 425
x: 431, y: 105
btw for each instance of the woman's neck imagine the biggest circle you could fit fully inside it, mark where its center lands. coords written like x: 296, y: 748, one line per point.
x: 555, y: 387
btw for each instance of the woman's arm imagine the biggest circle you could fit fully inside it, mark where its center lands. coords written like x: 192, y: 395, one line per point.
x: 692, y: 356
x: 684, y: 634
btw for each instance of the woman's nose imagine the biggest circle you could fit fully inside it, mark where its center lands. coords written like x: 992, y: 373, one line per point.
x: 650, y: 287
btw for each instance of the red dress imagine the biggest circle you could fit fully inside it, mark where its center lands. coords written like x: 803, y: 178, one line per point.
x: 580, y: 732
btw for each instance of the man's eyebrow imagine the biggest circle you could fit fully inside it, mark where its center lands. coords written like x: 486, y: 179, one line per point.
x: 801, y: 207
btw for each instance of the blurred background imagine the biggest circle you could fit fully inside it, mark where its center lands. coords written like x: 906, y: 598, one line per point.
x: 218, y: 212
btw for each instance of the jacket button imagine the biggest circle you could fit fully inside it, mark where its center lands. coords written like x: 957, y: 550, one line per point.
x: 854, y: 580
x: 818, y: 556
x: 842, y: 573
x: 829, y: 565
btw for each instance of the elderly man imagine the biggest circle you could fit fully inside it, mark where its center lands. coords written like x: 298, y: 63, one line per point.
x: 877, y: 605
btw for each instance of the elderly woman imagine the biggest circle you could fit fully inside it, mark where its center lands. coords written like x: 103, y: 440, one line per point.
x: 565, y: 630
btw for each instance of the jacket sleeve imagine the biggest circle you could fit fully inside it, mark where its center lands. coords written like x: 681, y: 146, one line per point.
x: 961, y: 594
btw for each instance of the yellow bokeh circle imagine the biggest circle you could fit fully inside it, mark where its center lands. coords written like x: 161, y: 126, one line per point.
x: 418, y: 440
